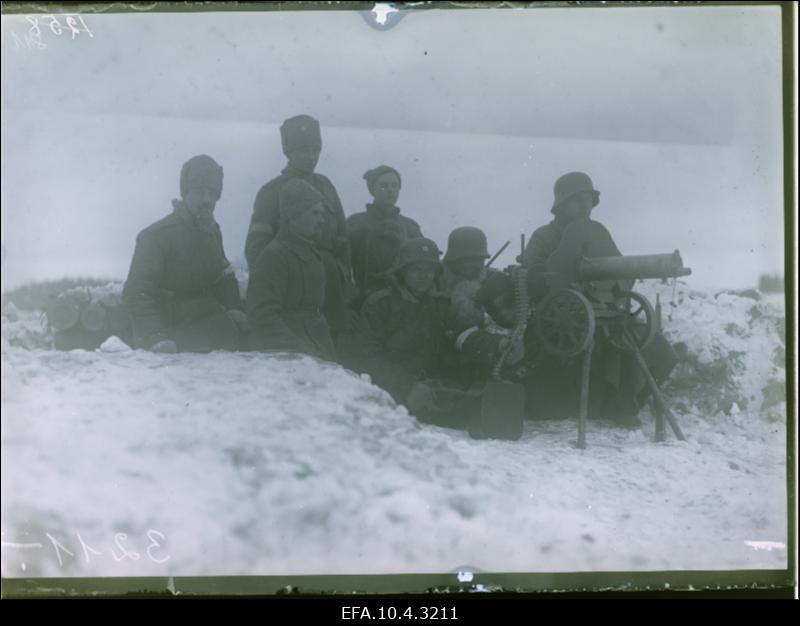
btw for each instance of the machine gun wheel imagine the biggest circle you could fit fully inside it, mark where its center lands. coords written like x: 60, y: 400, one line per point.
x: 634, y: 320
x: 565, y: 323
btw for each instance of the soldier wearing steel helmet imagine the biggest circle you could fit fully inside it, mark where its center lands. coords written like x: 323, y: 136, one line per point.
x: 574, y: 198
x: 403, y: 338
x: 553, y: 388
x: 414, y: 345
x: 616, y: 387
x: 478, y: 296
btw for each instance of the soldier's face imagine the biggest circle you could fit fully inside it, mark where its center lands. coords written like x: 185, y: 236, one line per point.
x: 578, y: 206
x: 386, y: 189
x: 419, y: 277
x: 469, y: 267
x: 309, y: 224
x: 201, y: 200
x: 305, y: 159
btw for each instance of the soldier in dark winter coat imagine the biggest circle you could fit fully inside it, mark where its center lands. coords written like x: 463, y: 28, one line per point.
x: 575, y: 197
x: 404, y: 326
x: 408, y: 342
x: 302, y: 143
x: 616, y: 386
x: 287, y: 282
x: 181, y: 291
x: 464, y: 277
x: 377, y: 233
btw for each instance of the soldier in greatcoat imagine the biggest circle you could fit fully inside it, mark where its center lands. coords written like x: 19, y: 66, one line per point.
x: 301, y: 140
x: 287, y: 285
x: 181, y: 291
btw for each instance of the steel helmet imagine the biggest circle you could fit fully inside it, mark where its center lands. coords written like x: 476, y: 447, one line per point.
x: 570, y: 184
x: 466, y: 242
x: 414, y: 251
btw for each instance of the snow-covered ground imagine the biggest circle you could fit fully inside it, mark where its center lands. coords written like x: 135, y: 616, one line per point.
x: 125, y: 463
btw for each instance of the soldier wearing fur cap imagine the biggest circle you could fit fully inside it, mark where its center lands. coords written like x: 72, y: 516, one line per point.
x: 287, y: 285
x: 181, y: 291
x: 302, y: 143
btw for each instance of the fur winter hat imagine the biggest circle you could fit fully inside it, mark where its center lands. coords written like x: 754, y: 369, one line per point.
x: 295, y: 198
x: 300, y: 131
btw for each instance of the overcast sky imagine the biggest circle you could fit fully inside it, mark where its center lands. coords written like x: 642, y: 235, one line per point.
x: 674, y: 112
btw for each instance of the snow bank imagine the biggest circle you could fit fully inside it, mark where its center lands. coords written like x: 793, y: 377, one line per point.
x: 25, y: 329
x: 734, y: 348
x: 130, y: 463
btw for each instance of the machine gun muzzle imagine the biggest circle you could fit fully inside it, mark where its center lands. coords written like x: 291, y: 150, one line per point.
x: 632, y: 267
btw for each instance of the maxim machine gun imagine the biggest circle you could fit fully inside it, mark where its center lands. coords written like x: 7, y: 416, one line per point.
x: 590, y: 299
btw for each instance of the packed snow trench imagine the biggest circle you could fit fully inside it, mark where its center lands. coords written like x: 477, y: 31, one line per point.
x: 125, y: 463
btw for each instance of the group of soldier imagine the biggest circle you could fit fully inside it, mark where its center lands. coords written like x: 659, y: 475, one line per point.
x: 369, y: 291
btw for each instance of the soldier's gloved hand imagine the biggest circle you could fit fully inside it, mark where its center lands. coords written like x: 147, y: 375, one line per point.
x: 165, y: 346
x: 421, y: 398
x: 240, y: 319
